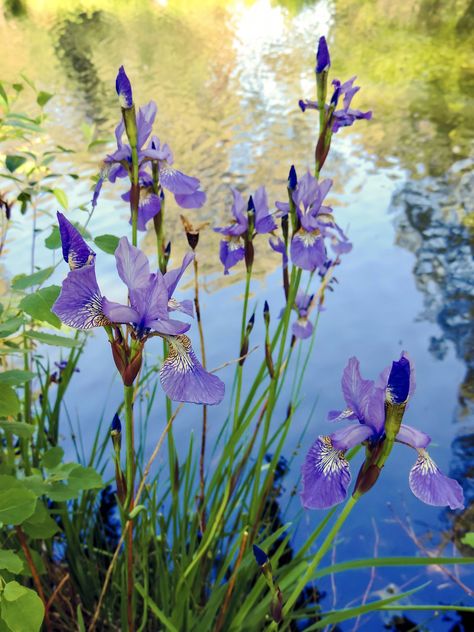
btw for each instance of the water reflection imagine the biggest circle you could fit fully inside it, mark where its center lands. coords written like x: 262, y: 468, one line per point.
x: 227, y: 77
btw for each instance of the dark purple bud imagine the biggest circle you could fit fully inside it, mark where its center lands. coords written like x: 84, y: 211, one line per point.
x: 302, y: 105
x: 277, y: 606
x: 292, y: 178
x: 124, y: 89
x: 398, y: 386
x: 251, y: 323
x: 336, y: 93
x: 260, y: 556
x: 116, y: 426
x: 168, y: 249
x: 323, y: 60
x: 250, y: 205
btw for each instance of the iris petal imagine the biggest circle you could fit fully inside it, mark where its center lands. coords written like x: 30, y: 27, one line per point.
x: 183, y: 377
x: 326, y: 475
x: 79, y: 304
x: 433, y: 487
x: 132, y: 265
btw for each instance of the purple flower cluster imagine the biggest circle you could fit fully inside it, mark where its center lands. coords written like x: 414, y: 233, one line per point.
x: 150, y: 151
x: 249, y: 219
x: 314, y: 224
x: 81, y: 305
x: 326, y: 474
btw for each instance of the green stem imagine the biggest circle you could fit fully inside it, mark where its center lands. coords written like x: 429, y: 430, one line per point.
x: 27, y: 407
x: 129, y: 446
x: 243, y: 327
x: 135, y: 196
x: 325, y: 546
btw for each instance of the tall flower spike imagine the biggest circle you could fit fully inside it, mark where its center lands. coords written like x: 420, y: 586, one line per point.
x: 124, y: 89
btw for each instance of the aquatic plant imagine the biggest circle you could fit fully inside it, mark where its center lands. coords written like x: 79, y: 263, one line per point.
x: 201, y: 546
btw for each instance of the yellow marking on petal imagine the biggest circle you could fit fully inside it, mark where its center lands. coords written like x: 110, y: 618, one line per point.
x: 329, y: 460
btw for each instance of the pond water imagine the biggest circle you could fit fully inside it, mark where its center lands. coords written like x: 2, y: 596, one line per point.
x: 227, y: 77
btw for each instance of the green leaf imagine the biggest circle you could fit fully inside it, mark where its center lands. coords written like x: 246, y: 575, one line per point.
x: 61, y: 197
x: 14, y: 122
x: 14, y: 377
x: 18, y: 428
x: 52, y: 458
x: 35, y: 484
x: 43, y: 98
x: 12, y: 163
x: 18, y: 87
x: 17, y: 503
x: 53, y: 240
x: 38, y: 305
x: 10, y: 326
x: 85, y: 478
x: 468, y: 539
x: 351, y: 613
x: 156, y: 611
x: 53, y: 339
x: 79, y: 479
x: 10, y: 561
x: 107, y: 243
x: 9, y: 402
x: 24, y: 281
x: 22, y: 610
x: 40, y: 524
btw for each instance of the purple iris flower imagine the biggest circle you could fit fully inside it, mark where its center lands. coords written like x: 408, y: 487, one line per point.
x: 345, y: 116
x: 326, y: 474
x: 186, y: 189
x: 81, y: 305
x: 124, y: 89
x: 323, y: 61
x: 316, y: 222
x: 303, y: 327
x: 232, y: 247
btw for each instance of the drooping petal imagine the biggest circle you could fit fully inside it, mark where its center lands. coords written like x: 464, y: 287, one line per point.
x: 183, y: 377
x: 196, y: 199
x: 176, y: 181
x: 346, y: 438
x: 326, y: 476
x: 413, y: 437
x: 173, y: 277
x: 302, y: 328
x: 79, y: 304
x: 307, y: 250
x: 132, y: 265
x: 150, y: 205
x: 75, y: 250
x: 231, y: 252
x: 118, y: 313
x: 433, y: 487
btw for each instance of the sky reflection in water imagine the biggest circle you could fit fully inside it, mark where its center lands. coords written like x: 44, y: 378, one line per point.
x: 227, y: 78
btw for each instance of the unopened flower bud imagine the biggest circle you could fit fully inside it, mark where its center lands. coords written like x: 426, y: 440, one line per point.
x: 124, y: 89
x: 323, y: 61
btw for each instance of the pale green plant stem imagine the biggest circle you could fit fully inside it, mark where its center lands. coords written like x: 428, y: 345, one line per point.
x: 243, y: 327
x: 130, y: 478
x: 325, y: 546
x: 134, y: 207
x: 272, y: 397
